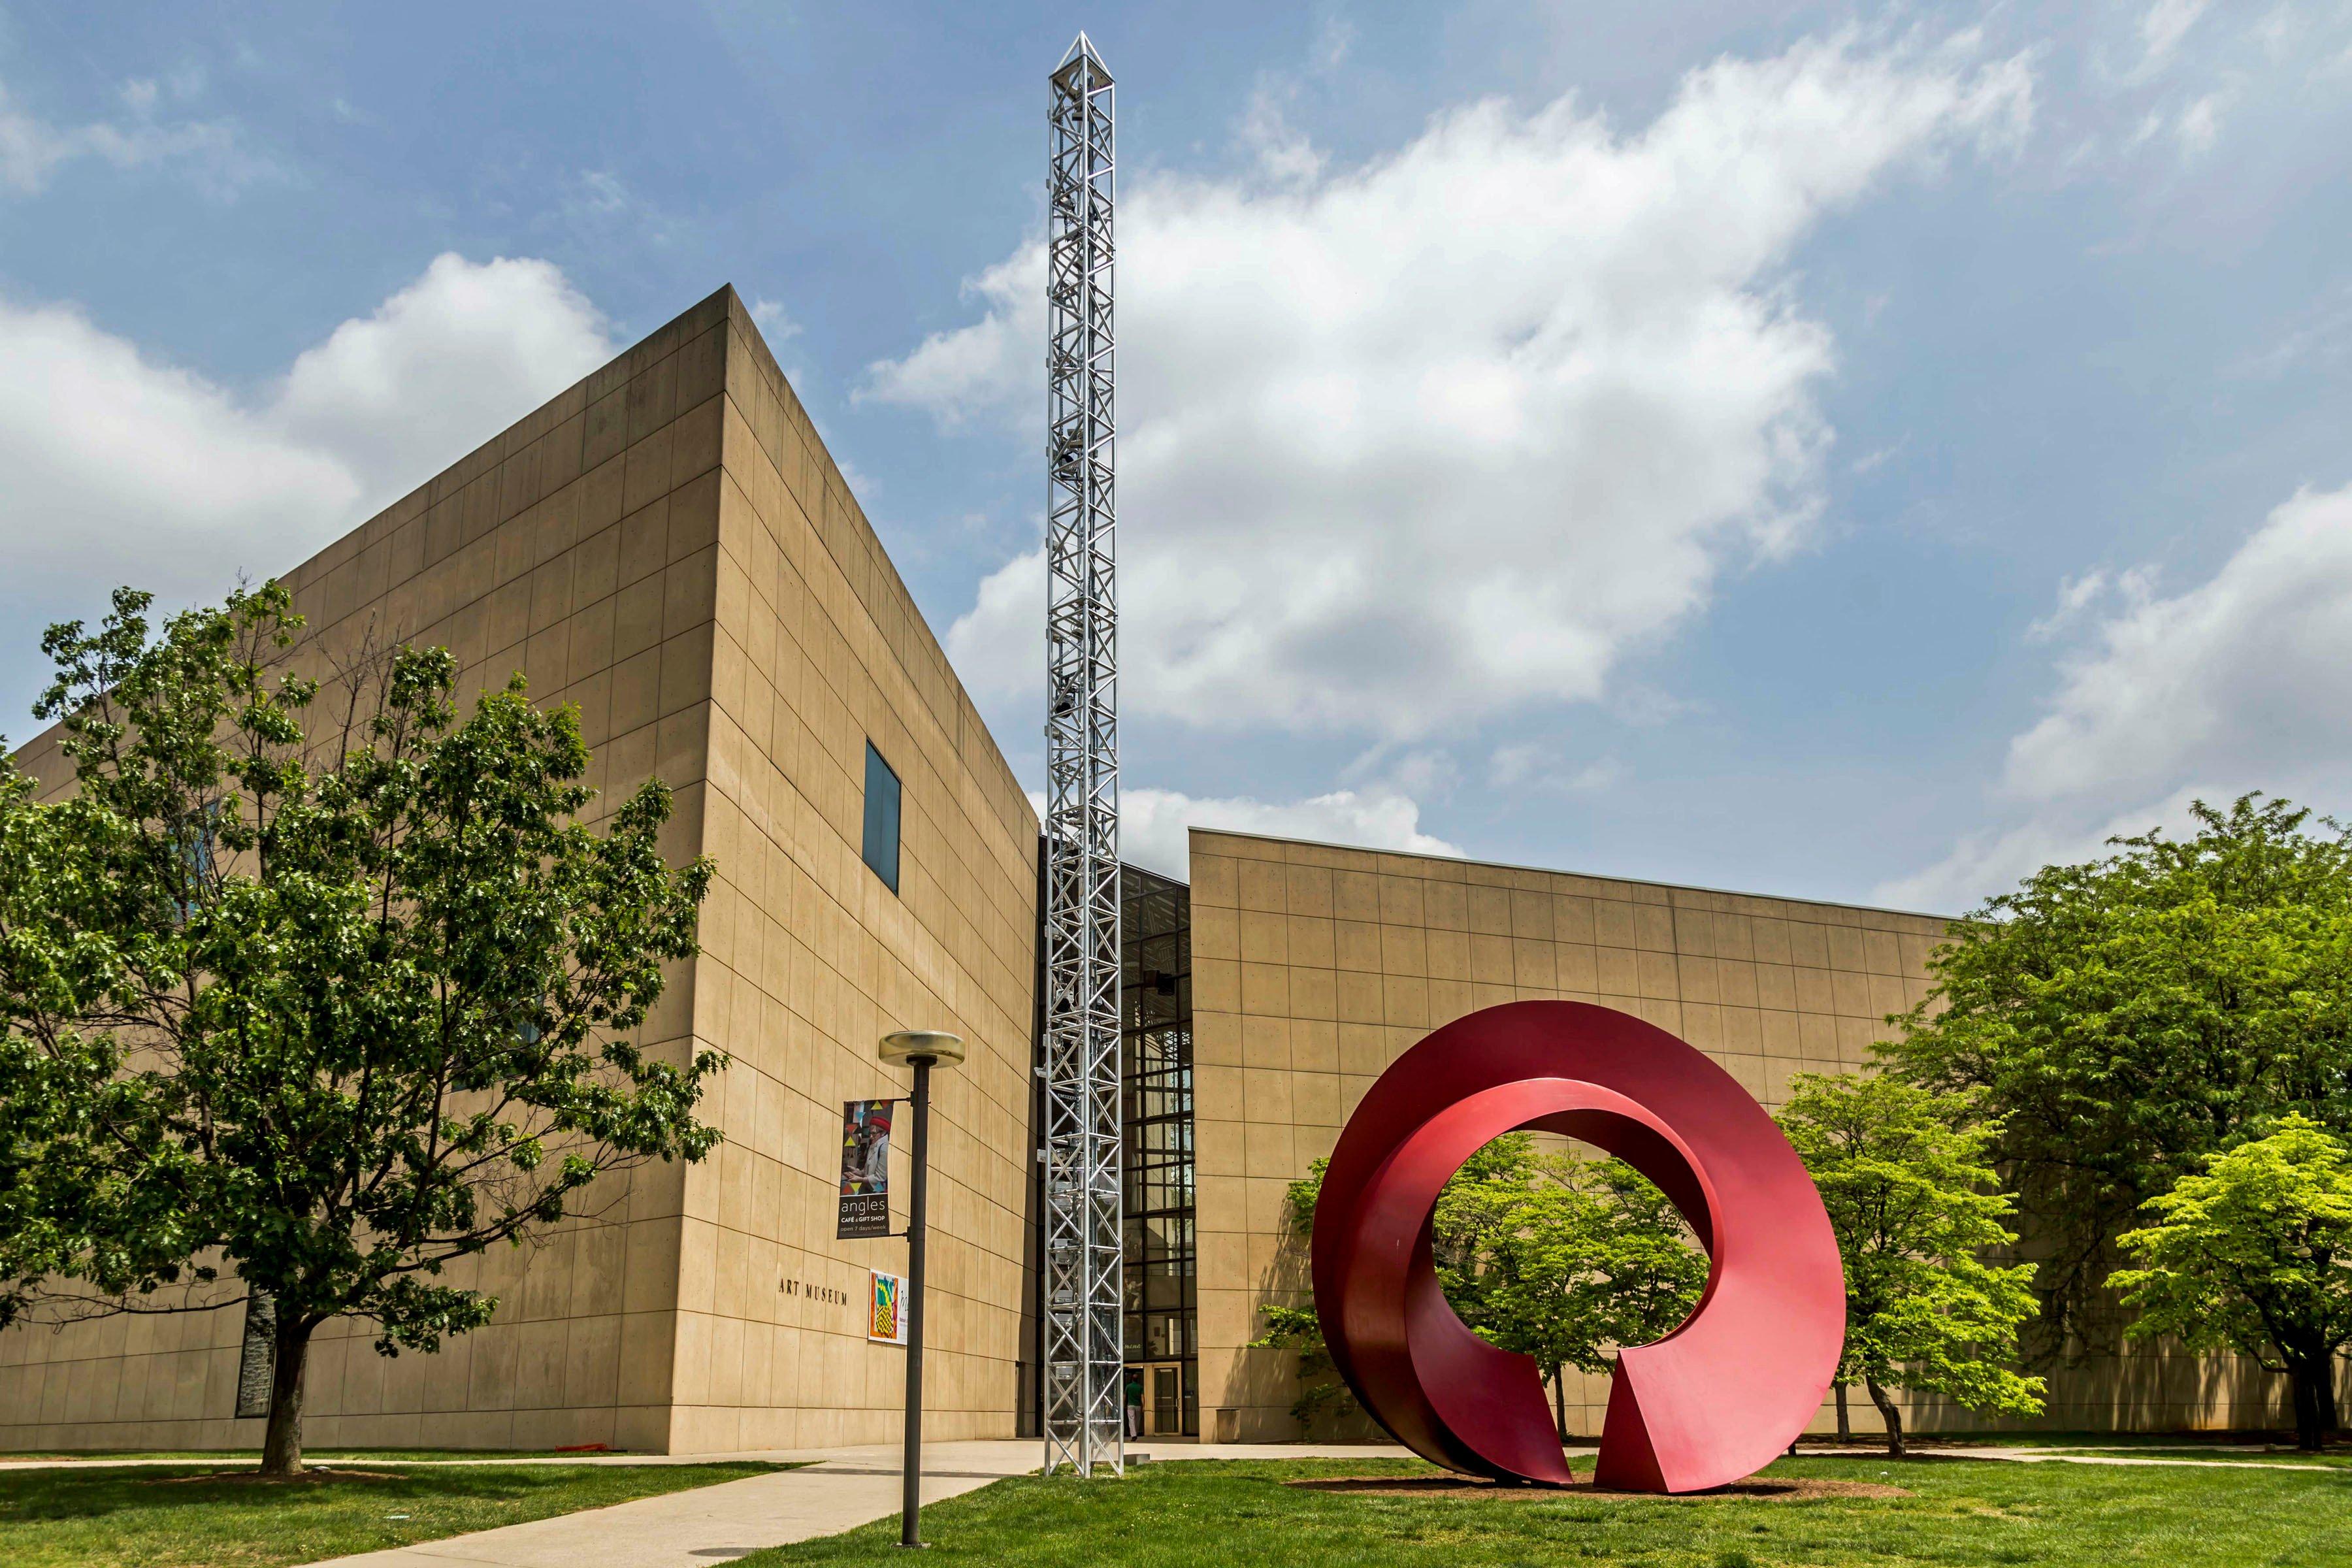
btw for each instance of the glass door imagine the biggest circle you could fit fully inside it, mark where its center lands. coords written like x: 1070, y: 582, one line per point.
x: 1164, y: 1391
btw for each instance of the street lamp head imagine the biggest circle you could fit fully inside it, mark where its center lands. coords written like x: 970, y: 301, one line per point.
x: 926, y: 1048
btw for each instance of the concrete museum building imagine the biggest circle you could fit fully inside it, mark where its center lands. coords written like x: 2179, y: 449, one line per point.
x: 667, y: 546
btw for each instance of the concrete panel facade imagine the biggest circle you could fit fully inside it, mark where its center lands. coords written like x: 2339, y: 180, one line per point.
x: 667, y: 546
x: 1315, y: 967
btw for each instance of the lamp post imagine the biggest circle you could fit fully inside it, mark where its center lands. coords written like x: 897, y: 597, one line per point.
x: 921, y: 1050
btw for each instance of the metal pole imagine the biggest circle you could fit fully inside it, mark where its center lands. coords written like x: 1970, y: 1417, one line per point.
x: 910, y: 1506
x: 1081, y: 1147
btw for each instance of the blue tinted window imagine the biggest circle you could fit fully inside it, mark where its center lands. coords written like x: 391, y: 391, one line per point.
x: 881, y: 818
x: 195, y: 840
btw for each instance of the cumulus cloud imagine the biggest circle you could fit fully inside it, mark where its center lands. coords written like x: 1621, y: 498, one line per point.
x: 1152, y: 823
x: 1414, y: 442
x: 123, y: 467
x: 2252, y: 668
x: 455, y: 357
x: 2243, y: 681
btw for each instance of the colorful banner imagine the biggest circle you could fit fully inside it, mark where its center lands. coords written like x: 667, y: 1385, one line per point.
x: 886, y: 1321
x: 864, y: 1169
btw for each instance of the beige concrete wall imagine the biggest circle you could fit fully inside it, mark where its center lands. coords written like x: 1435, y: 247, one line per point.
x: 809, y: 958
x: 1315, y: 967
x: 667, y: 546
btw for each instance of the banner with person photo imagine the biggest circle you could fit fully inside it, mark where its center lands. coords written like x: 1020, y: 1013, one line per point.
x: 864, y: 1169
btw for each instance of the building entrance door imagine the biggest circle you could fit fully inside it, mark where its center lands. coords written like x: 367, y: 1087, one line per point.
x: 1163, y: 1399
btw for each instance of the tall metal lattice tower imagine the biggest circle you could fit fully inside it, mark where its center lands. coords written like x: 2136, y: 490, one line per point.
x: 1085, y: 1391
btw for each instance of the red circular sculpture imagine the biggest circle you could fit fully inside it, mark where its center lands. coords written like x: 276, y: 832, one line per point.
x: 1713, y: 1401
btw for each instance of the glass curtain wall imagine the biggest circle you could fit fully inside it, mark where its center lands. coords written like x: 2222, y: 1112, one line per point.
x: 1156, y: 1070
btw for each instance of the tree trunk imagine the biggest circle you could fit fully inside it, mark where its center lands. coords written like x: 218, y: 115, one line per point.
x: 2312, y: 1397
x: 2329, y: 1421
x: 1559, y: 1402
x: 281, y: 1449
x: 1893, y: 1417
x: 1845, y: 1422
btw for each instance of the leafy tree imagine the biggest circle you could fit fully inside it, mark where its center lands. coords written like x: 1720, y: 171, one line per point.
x: 1586, y: 1259
x: 1557, y: 1258
x: 2127, y: 1017
x: 1322, y: 1396
x: 333, y: 993
x: 1473, y: 1211
x: 1902, y: 1172
x: 2255, y: 1255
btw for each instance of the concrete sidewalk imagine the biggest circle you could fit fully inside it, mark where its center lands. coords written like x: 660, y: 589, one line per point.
x: 841, y: 1490
x: 2052, y: 1457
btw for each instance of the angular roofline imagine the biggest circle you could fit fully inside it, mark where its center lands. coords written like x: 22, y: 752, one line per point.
x: 1564, y: 871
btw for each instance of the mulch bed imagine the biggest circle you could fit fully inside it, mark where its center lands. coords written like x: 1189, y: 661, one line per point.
x: 1788, y: 1489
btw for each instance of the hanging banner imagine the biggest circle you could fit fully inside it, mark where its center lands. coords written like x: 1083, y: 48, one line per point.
x: 864, y: 1169
x: 886, y: 1321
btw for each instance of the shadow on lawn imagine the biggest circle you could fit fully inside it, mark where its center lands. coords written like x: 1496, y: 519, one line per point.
x: 1781, y: 1489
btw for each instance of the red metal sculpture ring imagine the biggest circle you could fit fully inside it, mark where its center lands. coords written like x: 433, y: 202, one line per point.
x: 1711, y: 1402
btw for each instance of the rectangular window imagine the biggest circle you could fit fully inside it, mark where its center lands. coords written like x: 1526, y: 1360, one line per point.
x: 881, y: 818
x: 194, y: 840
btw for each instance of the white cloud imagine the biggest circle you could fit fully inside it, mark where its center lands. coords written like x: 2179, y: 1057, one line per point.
x: 1448, y: 434
x: 599, y: 193
x: 1152, y: 823
x: 2241, y: 682
x: 984, y: 368
x: 2074, y: 595
x: 1996, y: 860
x: 122, y: 468
x: 1539, y: 765
x: 2162, y: 26
x: 2321, y: 336
x: 2078, y: 595
x: 773, y: 323
x: 1335, y: 39
x: 2251, y: 668
x: 32, y: 150
x: 1282, y: 152
x: 441, y: 366
x: 2200, y: 123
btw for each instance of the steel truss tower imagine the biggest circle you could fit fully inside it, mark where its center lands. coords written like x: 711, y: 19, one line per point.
x: 1084, y: 1360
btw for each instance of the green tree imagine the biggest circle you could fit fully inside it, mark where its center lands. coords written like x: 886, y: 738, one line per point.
x: 1560, y: 1259
x: 2255, y: 1255
x: 1294, y: 1326
x: 1587, y: 1259
x: 332, y: 993
x: 2126, y: 1017
x: 1916, y: 1209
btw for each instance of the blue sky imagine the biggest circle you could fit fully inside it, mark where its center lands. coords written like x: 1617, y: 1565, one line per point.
x: 1849, y: 452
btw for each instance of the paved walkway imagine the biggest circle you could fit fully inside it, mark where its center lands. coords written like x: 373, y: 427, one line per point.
x: 2051, y: 1457
x: 843, y: 1489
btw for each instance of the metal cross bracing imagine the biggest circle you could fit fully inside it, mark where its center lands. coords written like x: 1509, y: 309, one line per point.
x: 1085, y: 1414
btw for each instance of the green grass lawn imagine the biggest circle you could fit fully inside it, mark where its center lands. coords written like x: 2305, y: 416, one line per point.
x: 1208, y: 1514
x: 156, y: 1517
